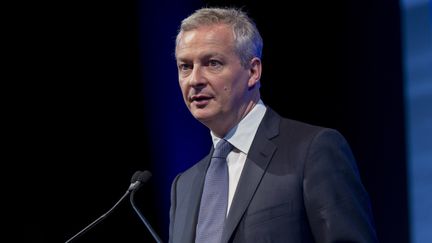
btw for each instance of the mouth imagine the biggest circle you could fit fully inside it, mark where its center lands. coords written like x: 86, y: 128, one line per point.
x: 200, y: 99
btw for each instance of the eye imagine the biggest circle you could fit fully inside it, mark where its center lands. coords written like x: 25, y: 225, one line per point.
x: 184, y: 67
x: 215, y: 63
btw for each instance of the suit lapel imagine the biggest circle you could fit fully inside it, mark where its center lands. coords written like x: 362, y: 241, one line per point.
x: 259, y: 156
x: 191, y: 216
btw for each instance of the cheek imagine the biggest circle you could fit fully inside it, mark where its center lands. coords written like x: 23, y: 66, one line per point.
x: 184, y: 93
x: 182, y: 86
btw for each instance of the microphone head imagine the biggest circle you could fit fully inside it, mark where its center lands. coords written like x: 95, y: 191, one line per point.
x: 141, y: 176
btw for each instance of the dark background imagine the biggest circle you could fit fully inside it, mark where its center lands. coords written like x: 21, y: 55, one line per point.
x: 95, y: 97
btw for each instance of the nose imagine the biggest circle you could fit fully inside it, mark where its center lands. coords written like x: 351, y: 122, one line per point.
x: 197, y: 78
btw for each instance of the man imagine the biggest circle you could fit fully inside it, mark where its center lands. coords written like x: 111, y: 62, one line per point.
x: 286, y: 181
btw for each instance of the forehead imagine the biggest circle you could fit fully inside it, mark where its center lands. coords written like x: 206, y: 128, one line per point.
x: 216, y: 37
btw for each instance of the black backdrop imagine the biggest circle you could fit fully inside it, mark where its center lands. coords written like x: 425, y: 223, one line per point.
x: 77, y: 134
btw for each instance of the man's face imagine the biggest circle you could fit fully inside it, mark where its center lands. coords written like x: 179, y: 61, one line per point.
x: 213, y: 81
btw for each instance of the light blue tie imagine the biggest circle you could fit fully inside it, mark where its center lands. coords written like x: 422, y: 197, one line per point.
x: 214, y: 199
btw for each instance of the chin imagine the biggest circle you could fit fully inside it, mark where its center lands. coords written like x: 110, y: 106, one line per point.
x: 203, y: 115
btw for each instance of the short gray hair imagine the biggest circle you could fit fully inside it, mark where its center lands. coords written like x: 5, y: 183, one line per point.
x: 247, y: 39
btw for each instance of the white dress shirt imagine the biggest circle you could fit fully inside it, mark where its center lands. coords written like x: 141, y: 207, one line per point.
x: 241, y: 137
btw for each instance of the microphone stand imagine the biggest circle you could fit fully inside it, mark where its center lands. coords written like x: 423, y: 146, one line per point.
x: 138, y: 179
x: 91, y: 225
x: 141, y: 216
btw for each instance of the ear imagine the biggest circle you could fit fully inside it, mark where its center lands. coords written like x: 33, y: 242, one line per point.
x: 255, y: 70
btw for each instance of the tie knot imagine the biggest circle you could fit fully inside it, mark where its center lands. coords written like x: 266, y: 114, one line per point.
x: 222, y: 149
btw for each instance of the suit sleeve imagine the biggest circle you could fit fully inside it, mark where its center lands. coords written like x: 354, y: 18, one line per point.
x: 337, y: 204
x: 173, y: 206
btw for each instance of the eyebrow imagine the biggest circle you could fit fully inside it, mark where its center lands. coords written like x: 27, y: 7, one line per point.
x: 205, y: 56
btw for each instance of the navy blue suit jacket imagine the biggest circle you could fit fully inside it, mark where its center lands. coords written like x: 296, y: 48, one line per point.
x: 300, y: 183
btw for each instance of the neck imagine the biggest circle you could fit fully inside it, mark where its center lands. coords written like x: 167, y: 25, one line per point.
x: 222, y: 128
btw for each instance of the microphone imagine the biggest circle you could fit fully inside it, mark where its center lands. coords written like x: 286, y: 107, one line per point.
x: 137, y: 180
x: 140, y: 178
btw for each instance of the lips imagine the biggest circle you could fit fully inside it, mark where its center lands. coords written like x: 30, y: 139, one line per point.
x: 200, y: 99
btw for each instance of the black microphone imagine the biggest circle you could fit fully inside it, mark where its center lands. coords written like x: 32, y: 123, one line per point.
x: 137, y: 180
x: 142, y: 177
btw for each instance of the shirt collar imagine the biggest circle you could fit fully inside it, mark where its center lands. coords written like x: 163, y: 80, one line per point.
x: 242, y: 135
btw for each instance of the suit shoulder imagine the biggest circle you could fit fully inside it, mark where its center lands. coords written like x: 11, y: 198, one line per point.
x: 194, y: 169
x: 300, y: 127
x: 294, y: 131
x: 301, y: 130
